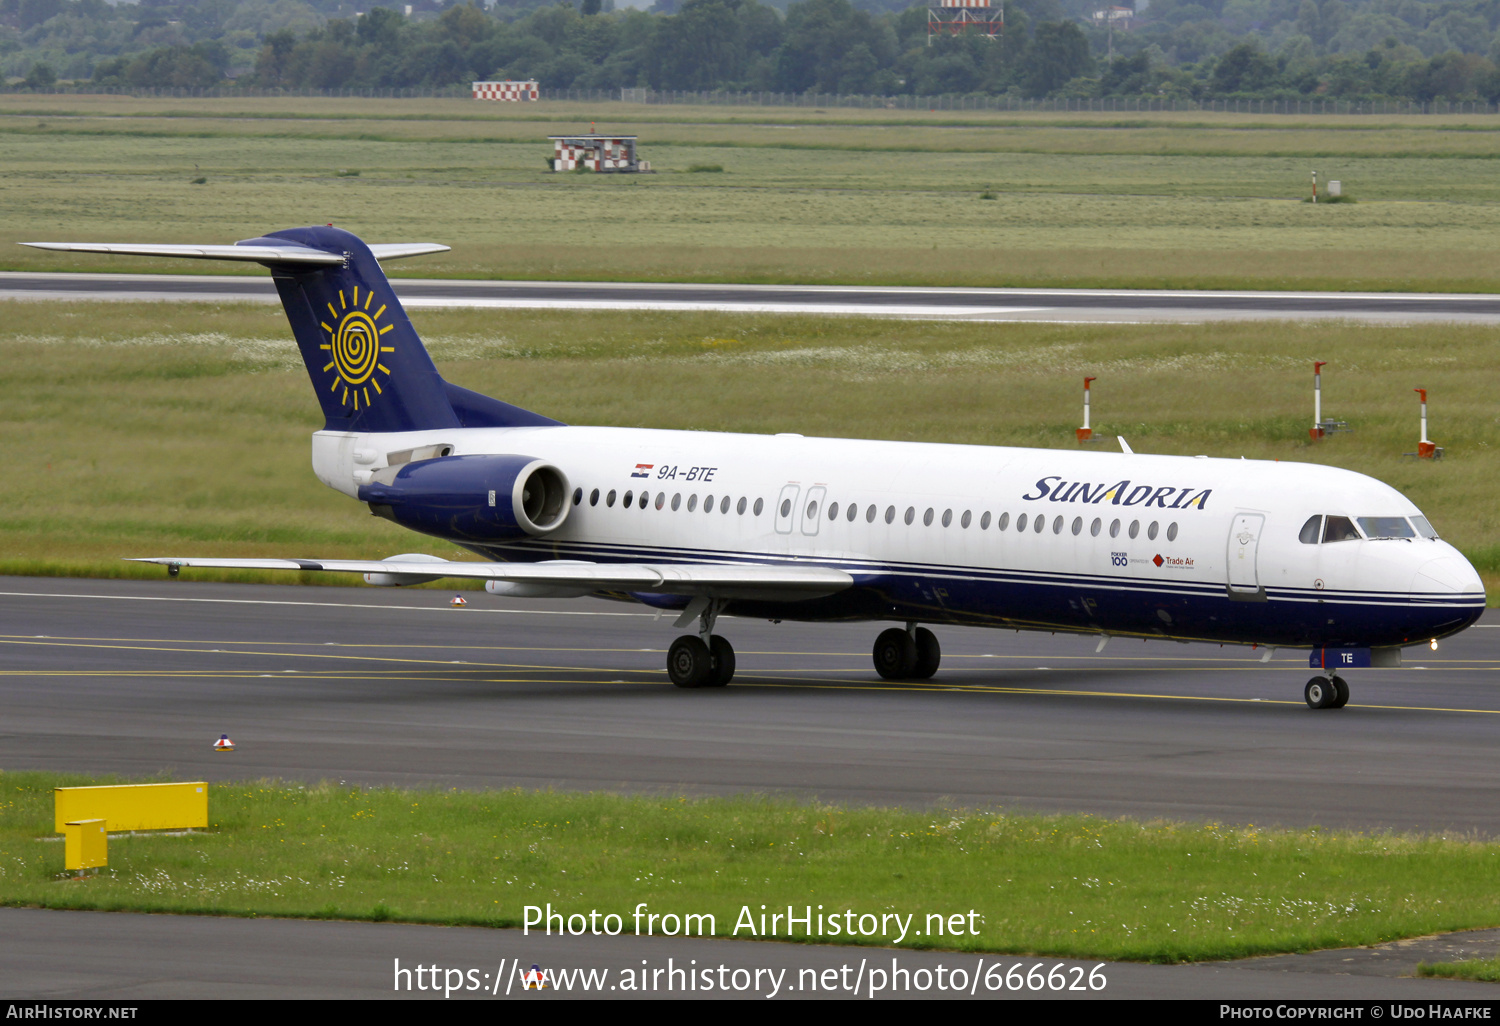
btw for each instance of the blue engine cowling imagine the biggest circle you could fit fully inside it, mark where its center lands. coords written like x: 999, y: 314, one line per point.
x: 472, y: 498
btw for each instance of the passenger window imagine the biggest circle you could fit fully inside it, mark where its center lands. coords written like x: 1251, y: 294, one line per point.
x: 724, y: 505
x: 786, y: 507
x: 1337, y: 529
x: 890, y: 514
x: 1020, y: 523
x: 1114, y: 529
x: 609, y: 500
x: 1004, y: 522
x: 1135, y: 529
x: 708, y: 504
x: 1077, y: 526
x: 692, y: 502
x: 740, y: 509
x: 661, y: 499
x: 870, y: 514
x: 1172, y: 532
x: 854, y: 512
x: 984, y: 521
x: 578, y: 495
x: 646, y: 497
x: 760, y: 504
x: 1095, y: 527
x: 629, y: 499
x: 967, y: 518
x: 1041, y: 522
x: 833, y: 511
x: 911, y: 514
x: 1152, y: 530
x: 676, y: 501
x: 1057, y: 525
x: 593, y: 497
x: 1311, y: 530
x: 812, y: 510
x: 927, y: 517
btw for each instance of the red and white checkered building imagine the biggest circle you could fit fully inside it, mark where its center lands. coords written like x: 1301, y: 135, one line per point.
x: 603, y: 153
x: 505, y: 91
x: 950, y: 17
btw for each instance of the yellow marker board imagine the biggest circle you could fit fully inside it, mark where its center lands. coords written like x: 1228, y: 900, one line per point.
x: 85, y: 844
x: 135, y: 806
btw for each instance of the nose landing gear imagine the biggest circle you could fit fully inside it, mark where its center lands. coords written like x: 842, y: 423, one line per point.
x: 1330, y: 692
x: 911, y: 653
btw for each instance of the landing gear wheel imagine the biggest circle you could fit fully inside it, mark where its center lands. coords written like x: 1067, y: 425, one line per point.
x: 895, y: 654
x: 722, y: 654
x: 1321, y: 693
x: 689, y: 663
x: 929, y: 654
x: 1341, y: 696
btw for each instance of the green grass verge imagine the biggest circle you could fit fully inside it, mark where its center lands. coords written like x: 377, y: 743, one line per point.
x: 851, y: 197
x: 1068, y: 886
x: 1486, y: 970
x: 158, y: 430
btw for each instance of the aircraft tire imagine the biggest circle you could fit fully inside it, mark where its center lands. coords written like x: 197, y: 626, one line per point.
x: 929, y: 654
x: 1341, y: 693
x: 895, y: 654
x: 722, y: 654
x: 1320, y: 693
x: 689, y: 663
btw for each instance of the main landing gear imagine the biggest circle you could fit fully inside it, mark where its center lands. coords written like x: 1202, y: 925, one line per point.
x: 702, y: 660
x: 1327, y: 692
x: 910, y: 653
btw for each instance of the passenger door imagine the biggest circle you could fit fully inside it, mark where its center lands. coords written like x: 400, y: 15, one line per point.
x: 786, y: 508
x: 1244, y: 546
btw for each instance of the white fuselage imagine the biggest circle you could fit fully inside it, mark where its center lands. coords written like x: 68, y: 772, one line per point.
x: 1112, y: 542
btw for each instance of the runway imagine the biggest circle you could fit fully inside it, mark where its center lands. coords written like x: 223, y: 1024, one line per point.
x: 378, y: 686
x: 1054, y: 305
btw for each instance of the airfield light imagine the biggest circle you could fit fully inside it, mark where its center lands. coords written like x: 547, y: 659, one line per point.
x: 1425, y: 450
x: 1317, y: 428
x: 1086, y: 433
x: 1433, y: 644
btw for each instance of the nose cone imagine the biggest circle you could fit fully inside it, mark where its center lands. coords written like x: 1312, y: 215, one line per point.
x: 1449, y: 574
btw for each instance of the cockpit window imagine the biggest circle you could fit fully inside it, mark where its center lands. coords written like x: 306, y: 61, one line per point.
x: 1311, y: 530
x: 1424, y: 529
x: 1386, y: 527
x: 1337, y: 529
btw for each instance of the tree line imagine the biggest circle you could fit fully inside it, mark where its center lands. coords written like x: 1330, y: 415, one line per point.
x: 1283, y: 49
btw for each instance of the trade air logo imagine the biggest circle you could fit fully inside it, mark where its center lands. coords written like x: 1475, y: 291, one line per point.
x: 1121, y: 493
x: 354, y: 345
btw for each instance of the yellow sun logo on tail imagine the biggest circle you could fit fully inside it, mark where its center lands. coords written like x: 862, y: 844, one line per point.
x: 355, y: 347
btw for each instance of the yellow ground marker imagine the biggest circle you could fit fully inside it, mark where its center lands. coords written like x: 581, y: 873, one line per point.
x: 134, y: 806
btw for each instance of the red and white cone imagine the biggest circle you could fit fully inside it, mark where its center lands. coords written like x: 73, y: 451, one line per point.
x: 223, y: 744
x: 458, y: 602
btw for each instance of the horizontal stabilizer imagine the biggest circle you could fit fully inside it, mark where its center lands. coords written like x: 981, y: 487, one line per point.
x: 262, y: 254
x: 720, y: 580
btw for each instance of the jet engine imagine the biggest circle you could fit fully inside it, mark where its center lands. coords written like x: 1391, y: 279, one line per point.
x: 472, y: 498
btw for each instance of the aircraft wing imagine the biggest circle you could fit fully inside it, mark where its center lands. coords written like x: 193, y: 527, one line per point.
x: 717, y: 580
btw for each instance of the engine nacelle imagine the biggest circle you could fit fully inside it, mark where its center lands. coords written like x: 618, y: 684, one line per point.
x: 472, y: 498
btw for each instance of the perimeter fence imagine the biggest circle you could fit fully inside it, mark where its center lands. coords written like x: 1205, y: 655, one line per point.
x: 943, y: 102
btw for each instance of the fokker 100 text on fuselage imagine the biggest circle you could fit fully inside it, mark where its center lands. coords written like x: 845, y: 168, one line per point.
x: 814, y: 529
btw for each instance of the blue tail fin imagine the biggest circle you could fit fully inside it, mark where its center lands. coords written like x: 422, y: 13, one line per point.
x: 368, y: 367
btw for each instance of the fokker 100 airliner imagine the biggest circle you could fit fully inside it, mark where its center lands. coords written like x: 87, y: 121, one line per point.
x: 1280, y: 555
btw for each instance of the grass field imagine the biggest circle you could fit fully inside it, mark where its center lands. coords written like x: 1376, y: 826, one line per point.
x: 1169, y: 200
x: 149, y: 429
x: 1064, y: 886
x: 1486, y: 970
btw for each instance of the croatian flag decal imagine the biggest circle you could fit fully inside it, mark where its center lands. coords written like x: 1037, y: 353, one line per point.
x: 643, y: 469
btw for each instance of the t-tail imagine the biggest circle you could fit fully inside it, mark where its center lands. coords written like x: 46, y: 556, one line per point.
x: 368, y: 367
